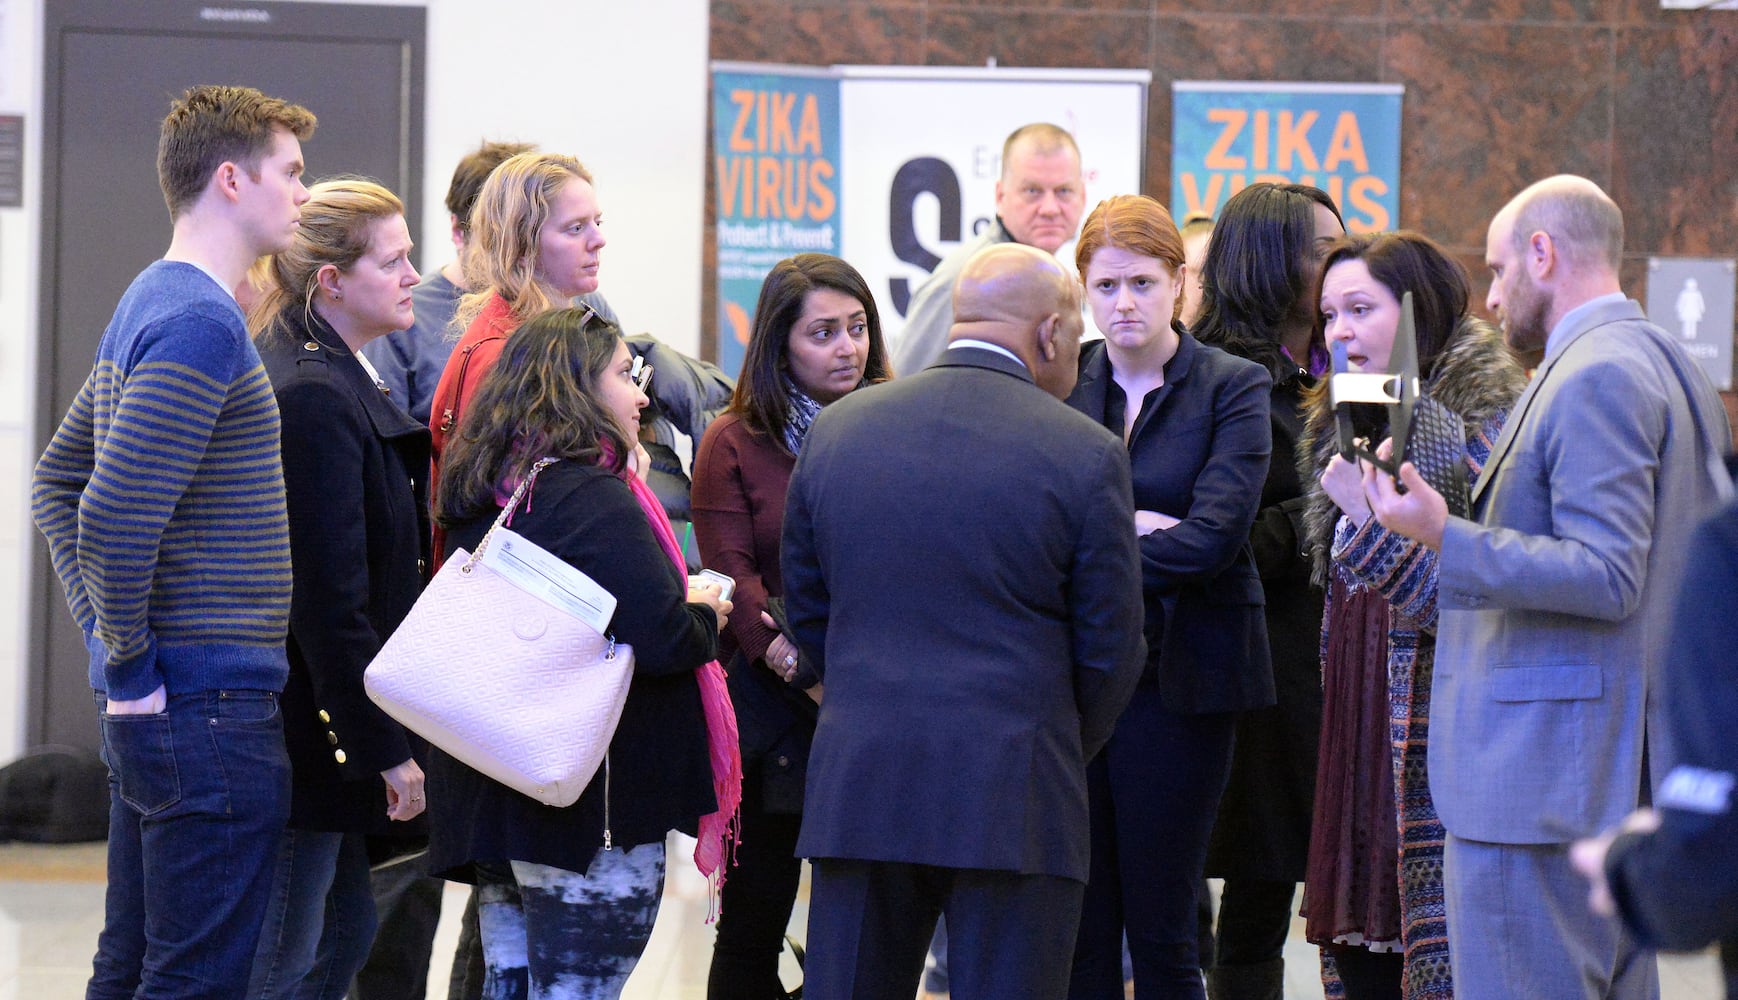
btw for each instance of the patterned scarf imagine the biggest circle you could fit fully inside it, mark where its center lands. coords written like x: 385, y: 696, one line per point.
x: 799, y: 416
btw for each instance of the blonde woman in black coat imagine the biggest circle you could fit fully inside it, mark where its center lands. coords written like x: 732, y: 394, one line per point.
x: 353, y: 471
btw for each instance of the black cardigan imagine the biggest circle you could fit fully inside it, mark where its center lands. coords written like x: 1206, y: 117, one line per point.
x: 354, y: 467
x: 660, y: 773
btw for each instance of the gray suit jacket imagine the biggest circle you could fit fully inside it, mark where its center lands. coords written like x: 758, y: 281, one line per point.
x: 1555, y: 600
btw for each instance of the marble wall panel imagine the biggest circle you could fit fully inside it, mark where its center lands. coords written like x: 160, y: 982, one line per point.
x: 750, y: 31
x: 1490, y: 109
x: 1533, y: 12
x: 1029, y: 6
x: 855, y: 34
x: 969, y: 37
x: 1675, y: 141
x: 1326, y: 10
x: 1240, y: 48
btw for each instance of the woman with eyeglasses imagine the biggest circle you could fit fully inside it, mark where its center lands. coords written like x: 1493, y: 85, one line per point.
x: 567, y: 896
x: 816, y: 338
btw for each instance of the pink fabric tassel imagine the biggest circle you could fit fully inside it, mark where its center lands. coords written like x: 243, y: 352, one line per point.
x: 720, y: 830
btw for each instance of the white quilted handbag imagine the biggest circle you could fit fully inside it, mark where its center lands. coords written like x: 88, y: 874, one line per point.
x: 512, y: 686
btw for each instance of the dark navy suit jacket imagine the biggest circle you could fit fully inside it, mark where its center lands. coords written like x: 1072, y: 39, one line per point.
x: 1199, y: 454
x: 959, y: 564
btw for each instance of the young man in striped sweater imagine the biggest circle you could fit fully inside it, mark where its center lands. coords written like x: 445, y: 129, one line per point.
x: 162, y: 499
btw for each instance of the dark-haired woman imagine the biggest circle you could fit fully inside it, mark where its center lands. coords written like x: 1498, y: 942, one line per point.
x: 1373, y: 898
x: 1194, y: 420
x: 1259, y: 303
x: 353, y: 469
x: 816, y: 337
x: 567, y: 896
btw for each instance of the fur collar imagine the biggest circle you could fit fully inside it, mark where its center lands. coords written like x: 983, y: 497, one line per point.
x: 1477, y: 377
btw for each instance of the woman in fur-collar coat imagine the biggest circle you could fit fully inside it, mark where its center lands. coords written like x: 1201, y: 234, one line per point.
x: 1370, y: 913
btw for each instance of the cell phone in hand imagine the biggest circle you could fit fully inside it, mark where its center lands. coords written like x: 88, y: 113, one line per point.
x: 726, y: 586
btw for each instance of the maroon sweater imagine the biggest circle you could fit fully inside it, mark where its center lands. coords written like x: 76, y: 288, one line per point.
x: 740, y: 480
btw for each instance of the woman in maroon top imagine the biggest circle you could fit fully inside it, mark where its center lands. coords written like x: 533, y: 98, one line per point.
x: 816, y: 337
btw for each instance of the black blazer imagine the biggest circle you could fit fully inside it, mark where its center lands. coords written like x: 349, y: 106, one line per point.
x: 660, y: 770
x: 959, y: 566
x: 354, y: 471
x: 1198, y: 453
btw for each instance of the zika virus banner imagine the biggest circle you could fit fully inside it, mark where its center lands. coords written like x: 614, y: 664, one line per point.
x: 775, y: 147
x: 890, y: 167
x: 1342, y: 138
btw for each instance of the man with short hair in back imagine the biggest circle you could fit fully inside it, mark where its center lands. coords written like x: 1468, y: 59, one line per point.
x: 1039, y: 198
x: 1554, y: 597
x: 162, y: 498
x: 410, y: 361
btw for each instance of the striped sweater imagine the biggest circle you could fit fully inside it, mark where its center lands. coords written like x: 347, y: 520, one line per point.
x: 162, y: 498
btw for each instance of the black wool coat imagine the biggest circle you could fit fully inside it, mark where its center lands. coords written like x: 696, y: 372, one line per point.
x: 354, y: 471
x: 658, y: 776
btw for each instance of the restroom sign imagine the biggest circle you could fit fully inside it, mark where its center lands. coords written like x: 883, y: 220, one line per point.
x: 1692, y: 299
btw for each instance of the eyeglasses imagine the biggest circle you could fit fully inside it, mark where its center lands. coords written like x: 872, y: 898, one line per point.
x: 641, y: 374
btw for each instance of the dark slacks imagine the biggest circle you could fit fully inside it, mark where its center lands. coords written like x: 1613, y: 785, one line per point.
x: 1009, y: 935
x: 756, y: 903
x: 409, y: 905
x: 1154, y: 791
x: 1254, y: 920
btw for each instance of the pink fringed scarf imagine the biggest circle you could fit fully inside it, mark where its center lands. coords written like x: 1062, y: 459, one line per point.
x: 719, y: 830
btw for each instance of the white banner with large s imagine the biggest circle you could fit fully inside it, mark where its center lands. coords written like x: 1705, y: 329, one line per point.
x: 919, y: 151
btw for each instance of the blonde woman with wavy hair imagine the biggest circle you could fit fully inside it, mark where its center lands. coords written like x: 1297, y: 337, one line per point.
x: 336, y: 226
x: 353, y: 468
x: 534, y: 247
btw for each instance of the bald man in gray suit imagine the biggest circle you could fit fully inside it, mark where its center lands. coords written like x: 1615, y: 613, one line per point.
x: 1555, y: 597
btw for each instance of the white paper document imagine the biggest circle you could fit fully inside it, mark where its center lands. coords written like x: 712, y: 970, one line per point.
x: 531, y: 568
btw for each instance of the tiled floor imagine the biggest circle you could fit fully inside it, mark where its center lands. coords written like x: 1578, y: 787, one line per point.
x: 51, y: 904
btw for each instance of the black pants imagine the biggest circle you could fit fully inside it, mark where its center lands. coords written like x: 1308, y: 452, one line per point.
x: 409, y: 904
x: 1154, y: 792
x: 1009, y: 935
x: 759, y: 893
x: 1254, y: 920
x: 466, y: 981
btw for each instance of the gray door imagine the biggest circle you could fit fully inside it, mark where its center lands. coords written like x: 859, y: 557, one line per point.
x: 110, y: 72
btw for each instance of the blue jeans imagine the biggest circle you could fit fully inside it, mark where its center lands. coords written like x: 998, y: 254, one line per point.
x: 550, y: 934
x: 198, y: 797
x: 320, y: 921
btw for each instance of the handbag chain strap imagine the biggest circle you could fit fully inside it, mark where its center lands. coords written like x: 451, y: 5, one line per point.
x: 507, y: 511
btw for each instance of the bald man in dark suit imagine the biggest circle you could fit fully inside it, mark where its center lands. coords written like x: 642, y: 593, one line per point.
x: 960, y: 567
